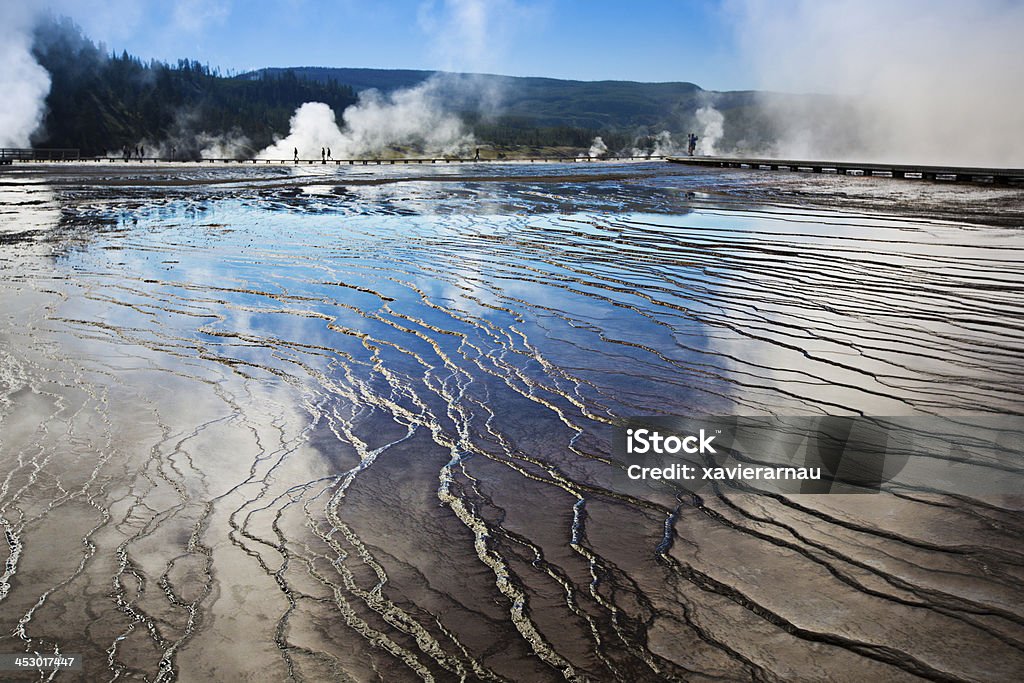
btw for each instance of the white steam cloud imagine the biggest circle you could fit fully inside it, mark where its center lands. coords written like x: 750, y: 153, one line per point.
x: 712, y: 125
x: 597, y: 148
x: 184, y: 140
x: 312, y: 126
x: 233, y: 145
x: 24, y: 84
x: 663, y: 144
x: 926, y: 81
x: 659, y: 144
x: 467, y: 35
x: 413, y: 118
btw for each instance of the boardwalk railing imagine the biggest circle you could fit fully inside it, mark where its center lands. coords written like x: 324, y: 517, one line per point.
x: 902, y: 171
x: 379, y: 162
x: 9, y: 154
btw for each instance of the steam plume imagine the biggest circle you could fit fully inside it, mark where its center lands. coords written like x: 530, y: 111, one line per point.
x: 231, y: 145
x: 597, y: 148
x: 413, y: 117
x: 712, y: 128
x: 663, y: 144
x: 467, y: 35
x: 926, y: 81
x: 659, y: 144
x: 23, y: 82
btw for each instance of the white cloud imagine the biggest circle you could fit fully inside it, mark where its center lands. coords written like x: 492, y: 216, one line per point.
x: 194, y: 16
x: 474, y: 35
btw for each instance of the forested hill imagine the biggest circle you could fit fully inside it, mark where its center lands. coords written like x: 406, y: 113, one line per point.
x: 386, y: 80
x: 535, y: 110
x: 550, y: 101
x: 100, y: 102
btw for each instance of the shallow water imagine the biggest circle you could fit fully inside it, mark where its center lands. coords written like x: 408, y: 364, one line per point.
x: 349, y: 422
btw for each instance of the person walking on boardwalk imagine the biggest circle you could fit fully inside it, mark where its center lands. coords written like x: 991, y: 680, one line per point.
x: 323, y: 156
x: 328, y: 154
x: 296, y: 155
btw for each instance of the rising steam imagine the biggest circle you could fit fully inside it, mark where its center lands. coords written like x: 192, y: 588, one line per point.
x: 926, y: 81
x: 24, y: 84
x: 663, y: 144
x: 597, y: 148
x: 413, y: 118
x: 231, y: 145
x: 712, y: 126
x: 468, y: 35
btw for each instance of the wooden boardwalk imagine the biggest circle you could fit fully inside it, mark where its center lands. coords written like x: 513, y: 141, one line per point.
x: 27, y: 156
x: 401, y: 161
x: 1001, y: 176
x: 8, y: 155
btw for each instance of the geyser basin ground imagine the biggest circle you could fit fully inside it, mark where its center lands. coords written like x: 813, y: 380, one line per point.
x: 355, y: 424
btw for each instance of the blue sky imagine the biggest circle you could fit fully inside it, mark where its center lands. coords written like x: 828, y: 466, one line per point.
x: 648, y: 40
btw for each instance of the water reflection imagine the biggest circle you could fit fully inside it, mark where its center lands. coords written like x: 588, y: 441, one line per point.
x: 361, y: 420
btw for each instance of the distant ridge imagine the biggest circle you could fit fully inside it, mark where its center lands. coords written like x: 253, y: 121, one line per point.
x: 362, y: 78
x: 553, y: 101
x: 359, y: 79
